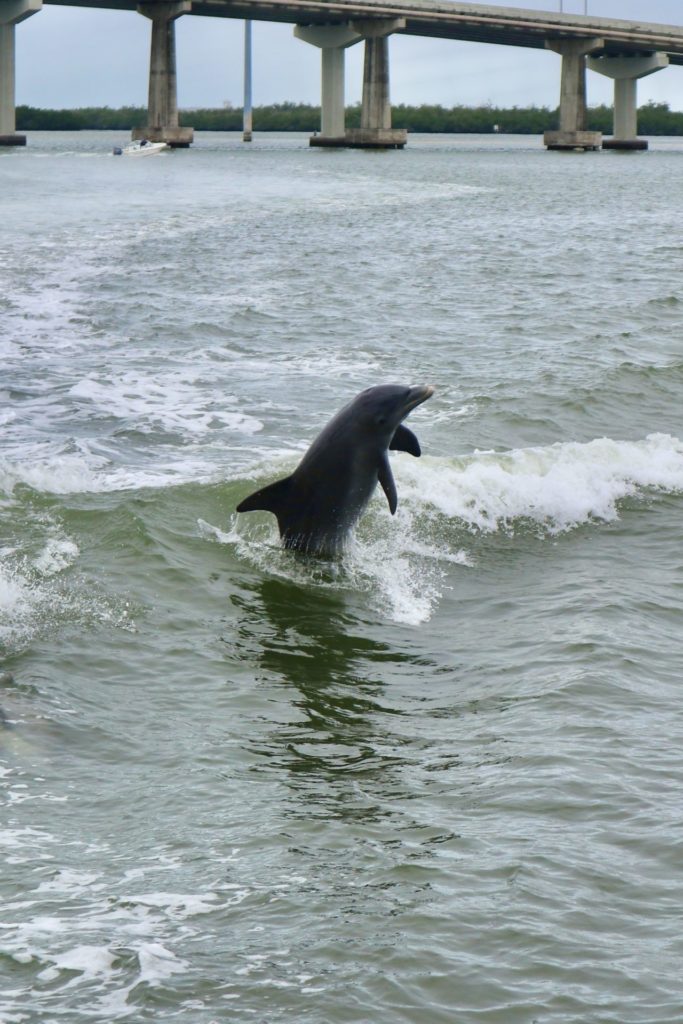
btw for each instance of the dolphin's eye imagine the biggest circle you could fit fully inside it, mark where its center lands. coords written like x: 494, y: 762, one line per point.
x: 381, y: 420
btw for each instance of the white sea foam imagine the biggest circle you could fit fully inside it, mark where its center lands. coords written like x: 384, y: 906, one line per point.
x: 27, y: 591
x: 25, y: 838
x: 68, y: 881
x: 558, y: 487
x: 404, y: 571
x: 57, y: 554
x: 178, y: 905
x: 89, y: 961
x: 180, y: 401
x: 139, y: 931
x: 158, y: 963
x: 211, y: 532
x: 53, y: 474
x: 45, y: 307
x: 14, y: 595
x: 161, y: 862
x: 89, y: 473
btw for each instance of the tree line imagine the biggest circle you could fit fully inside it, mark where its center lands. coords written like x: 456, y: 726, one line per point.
x: 653, y: 119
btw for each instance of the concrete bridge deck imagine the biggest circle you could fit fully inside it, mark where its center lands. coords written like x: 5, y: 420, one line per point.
x: 481, y: 23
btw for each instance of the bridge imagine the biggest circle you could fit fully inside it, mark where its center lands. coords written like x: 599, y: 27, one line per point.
x: 623, y: 50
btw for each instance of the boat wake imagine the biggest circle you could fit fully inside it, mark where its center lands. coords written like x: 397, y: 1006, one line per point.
x: 404, y: 562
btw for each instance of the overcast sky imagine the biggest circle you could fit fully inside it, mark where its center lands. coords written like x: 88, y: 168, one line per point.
x: 73, y: 57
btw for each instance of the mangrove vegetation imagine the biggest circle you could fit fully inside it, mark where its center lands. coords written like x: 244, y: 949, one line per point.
x: 653, y: 119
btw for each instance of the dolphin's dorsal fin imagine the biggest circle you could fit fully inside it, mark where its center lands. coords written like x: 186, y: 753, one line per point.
x: 267, y: 499
x: 404, y: 440
x: 386, y: 478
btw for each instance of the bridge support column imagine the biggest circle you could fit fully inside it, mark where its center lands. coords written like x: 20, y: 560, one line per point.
x: 572, y: 132
x: 162, y: 110
x: 626, y: 71
x: 332, y: 40
x: 11, y: 13
x: 375, y: 130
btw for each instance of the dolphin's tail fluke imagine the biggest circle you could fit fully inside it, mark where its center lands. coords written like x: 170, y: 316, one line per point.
x: 272, y: 498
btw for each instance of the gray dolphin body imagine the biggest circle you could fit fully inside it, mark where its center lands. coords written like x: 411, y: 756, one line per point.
x: 319, y: 504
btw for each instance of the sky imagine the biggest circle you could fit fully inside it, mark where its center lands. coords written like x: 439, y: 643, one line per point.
x: 75, y: 57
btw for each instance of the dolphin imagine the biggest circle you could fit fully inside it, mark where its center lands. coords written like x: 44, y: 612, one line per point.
x: 320, y: 503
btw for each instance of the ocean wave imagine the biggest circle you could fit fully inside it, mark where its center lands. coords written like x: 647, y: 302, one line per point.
x: 404, y: 561
x: 401, y: 561
x: 558, y: 487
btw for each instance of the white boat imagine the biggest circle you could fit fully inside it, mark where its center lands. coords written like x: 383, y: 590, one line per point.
x: 142, y: 147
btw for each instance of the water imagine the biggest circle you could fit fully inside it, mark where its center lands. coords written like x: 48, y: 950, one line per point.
x: 438, y: 781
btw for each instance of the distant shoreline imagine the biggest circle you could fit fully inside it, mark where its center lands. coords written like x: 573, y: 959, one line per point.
x: 653, y: 119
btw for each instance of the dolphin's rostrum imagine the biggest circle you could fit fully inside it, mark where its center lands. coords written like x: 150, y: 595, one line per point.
x: 319, y: 504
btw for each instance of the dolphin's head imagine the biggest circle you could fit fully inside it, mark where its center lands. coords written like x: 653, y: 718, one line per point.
x: 384, y: 407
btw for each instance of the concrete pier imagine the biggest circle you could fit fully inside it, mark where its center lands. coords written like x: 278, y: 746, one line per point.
x: 11, y: 13
x: 626, y: 71
x: 163, y: 91
x: 332, y: 40
x: 375, y: 130
x: 572, y: 132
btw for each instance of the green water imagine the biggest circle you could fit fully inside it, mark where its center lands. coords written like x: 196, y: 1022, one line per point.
x: 437, y: 780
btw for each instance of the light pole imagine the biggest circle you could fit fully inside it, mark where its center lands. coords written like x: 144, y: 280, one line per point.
x: 246, y: 112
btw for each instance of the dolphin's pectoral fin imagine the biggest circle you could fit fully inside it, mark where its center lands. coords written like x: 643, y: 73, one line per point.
x: 404, y: 440
x: 268, y: 499
x: 386, y: 478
